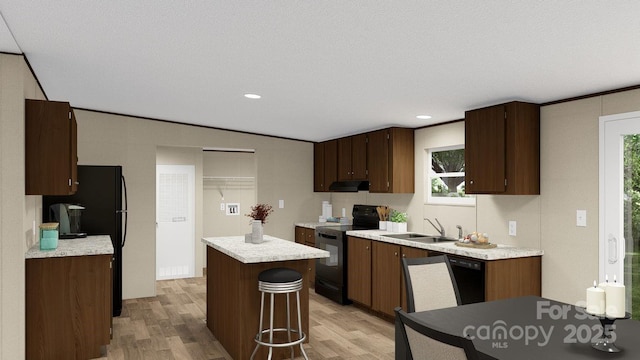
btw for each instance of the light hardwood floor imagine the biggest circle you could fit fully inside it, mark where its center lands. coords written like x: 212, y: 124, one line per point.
x: 172, y: 325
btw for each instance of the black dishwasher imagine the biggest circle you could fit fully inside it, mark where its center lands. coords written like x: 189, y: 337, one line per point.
x: 469, y: 275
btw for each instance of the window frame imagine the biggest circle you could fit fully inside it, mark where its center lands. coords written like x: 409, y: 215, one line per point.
x: 467, y: 200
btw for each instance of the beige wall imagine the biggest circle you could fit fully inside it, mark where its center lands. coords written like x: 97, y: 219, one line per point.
x: 17, y: 211
x: 284, y: 171
x: 569, y: 181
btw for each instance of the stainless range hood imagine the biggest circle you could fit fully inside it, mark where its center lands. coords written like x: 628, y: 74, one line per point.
x: 349, y: 186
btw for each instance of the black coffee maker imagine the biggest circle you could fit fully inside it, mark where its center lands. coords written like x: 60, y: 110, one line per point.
x: 68, y: 216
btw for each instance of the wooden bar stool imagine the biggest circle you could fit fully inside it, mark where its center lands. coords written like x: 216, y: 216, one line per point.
x: 280, y: 281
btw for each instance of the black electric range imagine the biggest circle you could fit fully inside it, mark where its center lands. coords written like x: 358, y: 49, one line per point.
x: 331, y: 272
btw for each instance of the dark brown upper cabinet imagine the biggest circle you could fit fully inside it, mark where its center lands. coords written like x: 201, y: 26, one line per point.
x: 502, y: 149
x: 352, y: 158
x: 51, y: 148
x: 385, y: 158
x: 318, y: 167
x: 390, y: 161
x: 325, y: 165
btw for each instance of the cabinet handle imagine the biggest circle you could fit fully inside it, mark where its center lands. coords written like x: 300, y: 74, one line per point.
x: 404, y: 255
x: 367, y: 247
x: 395, y: 253
x: 470, y: 181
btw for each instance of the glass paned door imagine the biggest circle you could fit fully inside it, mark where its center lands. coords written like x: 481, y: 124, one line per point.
x: 631, y: 219
x: 620, y: 203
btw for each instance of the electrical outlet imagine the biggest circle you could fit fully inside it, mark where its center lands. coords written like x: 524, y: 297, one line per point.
x: 222, y: 207
x: 581, y: 218
x: 281, y: 204
x: 512, y: 228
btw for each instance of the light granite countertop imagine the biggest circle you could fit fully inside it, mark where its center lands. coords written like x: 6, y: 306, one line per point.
x: 498, y: 253
x: 313, y: 225
x: 272, y: 249
x: 91, y: 245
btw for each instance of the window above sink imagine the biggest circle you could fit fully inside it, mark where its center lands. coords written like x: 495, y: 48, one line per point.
x: 445, y: 177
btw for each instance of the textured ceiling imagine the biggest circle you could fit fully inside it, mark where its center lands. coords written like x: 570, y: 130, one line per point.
x: 324, y: 68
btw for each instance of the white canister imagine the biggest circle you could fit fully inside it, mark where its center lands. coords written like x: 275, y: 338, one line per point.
x: 382, y: 225
x: 329, y: 211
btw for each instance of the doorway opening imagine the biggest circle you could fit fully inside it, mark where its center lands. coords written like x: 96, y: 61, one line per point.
x: 229, y: 191
x: 175, y: 221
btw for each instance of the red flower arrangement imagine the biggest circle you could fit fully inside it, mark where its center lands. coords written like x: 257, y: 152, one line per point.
x: 260, y: 212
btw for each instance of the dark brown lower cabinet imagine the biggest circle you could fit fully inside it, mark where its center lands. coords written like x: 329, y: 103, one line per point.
x: 307, y: 236
x: 375, y: 277
x: 359, y: 270
x: 509, y: 278
x: 386, y: 277
x: 68, y: 307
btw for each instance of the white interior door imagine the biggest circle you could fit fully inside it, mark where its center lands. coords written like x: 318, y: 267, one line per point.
x: 617, y: 250
x: 175, y: 225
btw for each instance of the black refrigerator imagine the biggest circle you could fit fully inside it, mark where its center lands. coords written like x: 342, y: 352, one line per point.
x: 102, y: 192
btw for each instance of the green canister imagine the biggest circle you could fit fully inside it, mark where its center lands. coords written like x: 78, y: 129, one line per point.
x: 49, y: 236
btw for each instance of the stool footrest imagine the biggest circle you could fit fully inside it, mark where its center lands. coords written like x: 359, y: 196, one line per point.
x: 287, y: 344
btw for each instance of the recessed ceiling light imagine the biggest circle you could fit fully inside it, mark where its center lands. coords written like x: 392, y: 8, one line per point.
x: 423, y: 117
x: 252, y: 96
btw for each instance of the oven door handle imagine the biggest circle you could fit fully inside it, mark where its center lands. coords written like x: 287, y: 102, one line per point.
x: 327, y: 236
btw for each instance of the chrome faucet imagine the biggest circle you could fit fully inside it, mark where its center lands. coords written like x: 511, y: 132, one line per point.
x: 459, y: 231
x: 440, y: 229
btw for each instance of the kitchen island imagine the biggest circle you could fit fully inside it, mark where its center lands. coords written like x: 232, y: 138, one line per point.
x: 68, y: 299
x: 233, y: 299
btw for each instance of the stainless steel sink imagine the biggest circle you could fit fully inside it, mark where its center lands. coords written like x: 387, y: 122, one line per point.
x: 421, y: 237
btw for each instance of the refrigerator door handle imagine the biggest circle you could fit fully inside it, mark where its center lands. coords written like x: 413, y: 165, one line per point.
x: 125, y: 210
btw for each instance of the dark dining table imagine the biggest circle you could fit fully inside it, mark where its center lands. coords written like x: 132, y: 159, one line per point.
x: 533, y: 327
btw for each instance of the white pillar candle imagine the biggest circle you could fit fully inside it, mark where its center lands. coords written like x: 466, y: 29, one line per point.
x: 595, y: 300
x: 603, y: 285
x: 615, y: 298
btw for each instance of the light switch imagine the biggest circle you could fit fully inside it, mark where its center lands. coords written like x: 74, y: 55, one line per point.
x: 281, y: 204
x: 512, y: 228
x: 581, y: 218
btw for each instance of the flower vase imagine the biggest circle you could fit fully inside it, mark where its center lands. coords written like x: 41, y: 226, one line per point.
x: 257, y: 231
